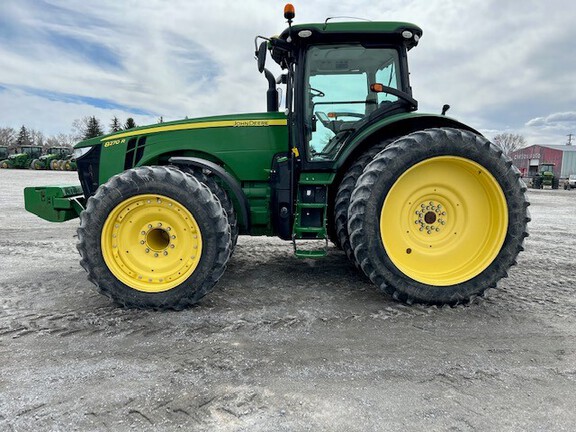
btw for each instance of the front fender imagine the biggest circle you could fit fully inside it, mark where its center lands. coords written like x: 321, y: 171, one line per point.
x: 233, y: 185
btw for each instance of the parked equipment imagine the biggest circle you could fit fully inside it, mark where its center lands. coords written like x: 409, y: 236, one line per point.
x: 424, y: 205
x: 545, y: 177
x: 49, y: 160
x: 22, y: 159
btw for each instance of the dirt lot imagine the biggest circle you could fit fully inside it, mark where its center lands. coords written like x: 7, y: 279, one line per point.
x: 283, y: 344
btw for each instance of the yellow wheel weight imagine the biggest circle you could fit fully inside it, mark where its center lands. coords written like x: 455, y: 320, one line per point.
x: 444, y: 221
x: 151, y: 243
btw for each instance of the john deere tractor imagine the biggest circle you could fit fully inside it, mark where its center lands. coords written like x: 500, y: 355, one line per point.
x: 546, y: 177
x: 3, y: 152
x: 23, y: 159
x: 51, y: 158
x: 424, y: 205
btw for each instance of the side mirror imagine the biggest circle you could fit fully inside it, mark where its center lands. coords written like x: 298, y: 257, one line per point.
x: 261, y: 55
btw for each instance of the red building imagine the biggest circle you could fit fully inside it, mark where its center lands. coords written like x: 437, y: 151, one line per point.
x: 528, y: 159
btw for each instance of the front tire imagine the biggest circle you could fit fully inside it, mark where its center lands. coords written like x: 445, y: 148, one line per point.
x: 438, y: 217
x: 154, y: 237
x: 222, y: 195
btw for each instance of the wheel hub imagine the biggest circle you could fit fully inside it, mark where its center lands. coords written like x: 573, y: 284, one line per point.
x: 431, y: 217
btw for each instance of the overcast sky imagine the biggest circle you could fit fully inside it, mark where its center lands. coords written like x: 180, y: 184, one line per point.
x: 502, y: 65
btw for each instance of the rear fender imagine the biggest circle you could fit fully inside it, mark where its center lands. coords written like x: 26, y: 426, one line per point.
x: 394, y: 126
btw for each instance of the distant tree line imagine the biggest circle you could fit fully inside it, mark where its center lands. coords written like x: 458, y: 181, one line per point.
x: 91, y: 127
x: 84, y: 128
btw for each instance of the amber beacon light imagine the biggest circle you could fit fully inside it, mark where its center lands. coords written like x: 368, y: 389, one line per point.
x: 289, y: 12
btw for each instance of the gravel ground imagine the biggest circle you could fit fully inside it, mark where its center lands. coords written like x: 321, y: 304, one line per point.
x: 283, y: 344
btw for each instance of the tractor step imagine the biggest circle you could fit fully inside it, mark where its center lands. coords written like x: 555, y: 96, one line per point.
x: 310, y: 217
x: 309, y: 253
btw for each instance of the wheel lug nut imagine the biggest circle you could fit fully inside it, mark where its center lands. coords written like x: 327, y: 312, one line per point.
x: 143, y: 233
x: 155, y: 255
x: 142, y: 242
x: 149, y: 226
x: 147, y: 250
x: 165, y: 253
x: 159, y: 224
x: 172, y: 246
x: 173, y: 237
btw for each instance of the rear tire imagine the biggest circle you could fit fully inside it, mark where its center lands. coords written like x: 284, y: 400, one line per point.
x: 438, y: 217
x: 54, y: 164
x: 342, y: 201
x: 154, y: 237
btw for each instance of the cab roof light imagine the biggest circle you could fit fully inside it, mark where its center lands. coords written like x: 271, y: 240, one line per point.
x: 289, y: 12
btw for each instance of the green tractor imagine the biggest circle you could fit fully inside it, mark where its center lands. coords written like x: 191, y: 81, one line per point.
x: 3, y: 152
x: 424, y: 205
x: 23, y: 159
x: 51, y: 158
x: 546, y: 177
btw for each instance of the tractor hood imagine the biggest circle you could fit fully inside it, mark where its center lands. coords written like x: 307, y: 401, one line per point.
x: 243, y: 144
x: 232, y: 120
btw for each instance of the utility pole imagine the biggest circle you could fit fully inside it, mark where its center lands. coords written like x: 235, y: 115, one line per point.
x: 570, y: 139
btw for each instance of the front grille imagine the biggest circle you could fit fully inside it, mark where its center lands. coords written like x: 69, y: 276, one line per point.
x: 88, y: 166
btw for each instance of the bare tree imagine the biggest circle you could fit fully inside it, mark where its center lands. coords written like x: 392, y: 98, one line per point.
x: 36, y: 137
x: 509, y: 142
x: 66, y: 140
x: 7, y: 136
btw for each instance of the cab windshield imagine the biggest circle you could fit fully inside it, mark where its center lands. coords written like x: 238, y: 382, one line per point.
x: 337, y: 92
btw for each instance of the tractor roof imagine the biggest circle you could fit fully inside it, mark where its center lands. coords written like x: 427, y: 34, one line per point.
x: 380, y: 32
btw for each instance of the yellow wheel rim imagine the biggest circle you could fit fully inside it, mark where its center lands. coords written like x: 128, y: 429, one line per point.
x: 444, y: 221
x: 151, y: 243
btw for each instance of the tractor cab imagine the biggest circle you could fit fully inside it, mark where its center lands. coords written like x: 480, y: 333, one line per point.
x: 31, y: 151
x: 547, y: 169
x: 341, y: 77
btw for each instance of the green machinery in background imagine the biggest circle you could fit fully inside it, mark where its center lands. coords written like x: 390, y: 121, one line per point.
x: 51, y: 160
x: 22, y: 159
x: 545, y: 177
